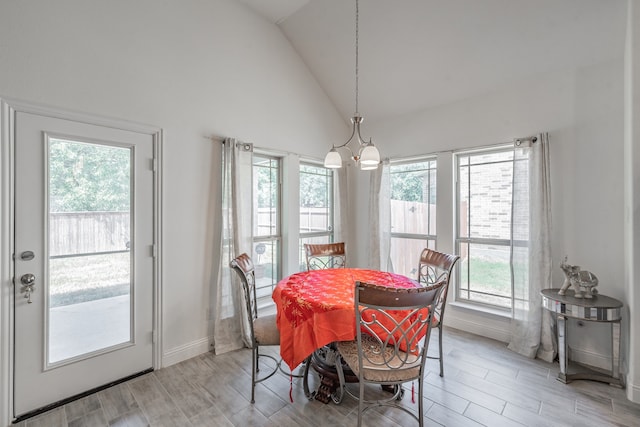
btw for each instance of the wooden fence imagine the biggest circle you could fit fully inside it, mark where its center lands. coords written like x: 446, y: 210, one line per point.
x: 411, y: 218
x: 88, y: 232
x: 406, y: 217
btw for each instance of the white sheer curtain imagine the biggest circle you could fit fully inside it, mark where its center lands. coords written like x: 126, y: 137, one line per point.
x: 230, y: 328
x: 380, y: 217
x: 531, y: 333
x: 340, y: 209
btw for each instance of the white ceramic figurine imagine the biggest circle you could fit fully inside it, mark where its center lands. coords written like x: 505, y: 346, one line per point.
x: 584, y: 282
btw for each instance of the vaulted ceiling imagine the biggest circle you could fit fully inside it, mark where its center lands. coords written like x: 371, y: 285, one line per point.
x: 418, y: 54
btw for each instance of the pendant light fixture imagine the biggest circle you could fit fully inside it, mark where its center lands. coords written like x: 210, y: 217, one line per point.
x: 366, y: 155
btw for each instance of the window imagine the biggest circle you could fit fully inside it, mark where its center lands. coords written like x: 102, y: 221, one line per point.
x: 316, y: 207
x: 484, y: 224
x: 266, y: 224
x: 413, y: 213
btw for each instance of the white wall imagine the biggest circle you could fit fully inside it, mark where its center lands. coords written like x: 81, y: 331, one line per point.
x: 632, y: 194
x: 194, y: 68
x: 197, y: 68
x: 583, y: 112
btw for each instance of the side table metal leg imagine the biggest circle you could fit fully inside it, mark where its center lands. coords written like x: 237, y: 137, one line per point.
x: 615, y: 350
x: 562, y: 348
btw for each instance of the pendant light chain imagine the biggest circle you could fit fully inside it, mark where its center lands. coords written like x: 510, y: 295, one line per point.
x: 357, y: 16
x: 366, y: 155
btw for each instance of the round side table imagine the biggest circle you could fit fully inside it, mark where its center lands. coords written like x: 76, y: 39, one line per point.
x: 600, y: 308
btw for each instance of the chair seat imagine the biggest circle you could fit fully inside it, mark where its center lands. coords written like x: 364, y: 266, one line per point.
x: 265, y: 330
x: 374, y: 365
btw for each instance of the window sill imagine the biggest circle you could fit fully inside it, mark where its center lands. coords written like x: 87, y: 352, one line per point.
x: 481, y: 309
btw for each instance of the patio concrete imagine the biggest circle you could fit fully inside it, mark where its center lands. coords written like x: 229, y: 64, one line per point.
x: 82, y: 328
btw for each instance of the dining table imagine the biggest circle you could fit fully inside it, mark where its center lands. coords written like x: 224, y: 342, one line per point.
x: 316, y: 308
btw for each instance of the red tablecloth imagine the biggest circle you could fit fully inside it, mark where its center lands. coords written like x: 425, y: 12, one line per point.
x: 316, y: 308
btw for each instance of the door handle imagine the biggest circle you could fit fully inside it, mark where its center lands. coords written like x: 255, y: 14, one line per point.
x: 28, y: 282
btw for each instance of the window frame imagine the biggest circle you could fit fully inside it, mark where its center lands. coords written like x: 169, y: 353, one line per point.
x: 272, y: 238
x: 331, y: 190
x: 469, y: 240
x: 431, y: 238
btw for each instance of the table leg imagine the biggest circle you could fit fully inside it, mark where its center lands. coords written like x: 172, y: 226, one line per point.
x: 562, y: 348
x: 305, y: 379
x: 615, y: 349
x: 324, y: 361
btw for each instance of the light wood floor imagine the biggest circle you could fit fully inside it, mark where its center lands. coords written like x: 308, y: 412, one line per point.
x: 484, y: 385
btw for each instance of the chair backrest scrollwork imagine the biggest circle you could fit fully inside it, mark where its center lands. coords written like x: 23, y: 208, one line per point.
x: 326, y: 255
x: 394, y: 325
x: 436, y: 267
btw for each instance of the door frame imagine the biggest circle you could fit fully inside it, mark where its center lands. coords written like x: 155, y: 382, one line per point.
x: 8, y: 110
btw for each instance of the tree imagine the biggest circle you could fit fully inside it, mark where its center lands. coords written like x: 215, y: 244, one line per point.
x: 314, y: 186
x: 266, y: 182
x: 88, y: 177
x: 409, y: 182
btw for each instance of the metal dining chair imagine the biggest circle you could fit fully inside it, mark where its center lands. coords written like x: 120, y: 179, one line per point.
x: 325, y: 255
x: 436, y: 267
x: 262, y: 330
x: 393, y: 329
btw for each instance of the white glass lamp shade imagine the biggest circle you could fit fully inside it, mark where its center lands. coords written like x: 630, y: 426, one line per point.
x: 370, y: 156
x: 333, y: 160
x: 368, y: 167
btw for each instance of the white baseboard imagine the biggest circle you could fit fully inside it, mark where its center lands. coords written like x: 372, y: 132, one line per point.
x: 478, y: 326
x: 589, y: 358
x: 495, y: 332
x: 186, y: 351
x: 499, y: 328
x: 633, y: 391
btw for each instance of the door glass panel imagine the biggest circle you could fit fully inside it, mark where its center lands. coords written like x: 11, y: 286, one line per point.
x: 89, y: 262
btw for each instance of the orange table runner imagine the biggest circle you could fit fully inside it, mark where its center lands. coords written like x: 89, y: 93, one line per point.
x: 316, y: 308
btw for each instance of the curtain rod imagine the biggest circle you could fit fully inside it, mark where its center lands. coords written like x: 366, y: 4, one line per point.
x: 519, y: 141
x: 215, y: 138
x: 272, y: 151
x: 515, y: 141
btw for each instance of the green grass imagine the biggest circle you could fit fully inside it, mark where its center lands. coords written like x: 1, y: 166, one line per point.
x: 487, y: 277
x: 88, y: 278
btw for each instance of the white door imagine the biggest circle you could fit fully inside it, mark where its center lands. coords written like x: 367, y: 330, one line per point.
x: 84, y: 221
